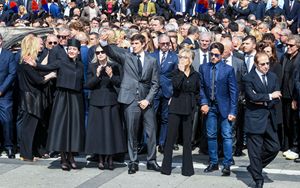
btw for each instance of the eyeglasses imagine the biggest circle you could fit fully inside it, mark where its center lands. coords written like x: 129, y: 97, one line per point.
x: 99, y: 52
x: 291, y: 45
x: 182, y: 57
x: 54, y: 43
x: 216, y: 55
x: 1, y: 6
x: 263, y: 64
x: 62, y: 36
x: 164, y: 43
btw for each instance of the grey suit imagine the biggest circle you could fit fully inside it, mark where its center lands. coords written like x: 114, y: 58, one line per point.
x: 196, y: 62
x: 133, y: 89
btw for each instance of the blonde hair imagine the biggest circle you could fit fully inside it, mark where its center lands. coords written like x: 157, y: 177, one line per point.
x: 30, y: 46
x: 22, y: 7
x: 189, y: 52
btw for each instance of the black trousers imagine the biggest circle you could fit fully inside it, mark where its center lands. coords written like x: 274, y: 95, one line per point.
x: 290, y: 125
x: 27, y: 131
x: 187, y: 163
x: 262, y: 150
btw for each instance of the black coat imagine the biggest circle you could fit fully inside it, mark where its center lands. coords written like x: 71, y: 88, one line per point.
x: 103, y: 88
x: 30, y: 85
x: 69, y: 73
x: 185, y: 92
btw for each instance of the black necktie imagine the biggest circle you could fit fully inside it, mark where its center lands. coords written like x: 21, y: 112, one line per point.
x: 212, y: 97
x: 204, y: 58
x: 264, y: 80
x: 139, y: 62
x: 163, y: 57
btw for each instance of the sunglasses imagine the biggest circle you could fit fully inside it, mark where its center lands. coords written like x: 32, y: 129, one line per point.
x: 263, y: 64
x: 62, y: 36
x: 1, y: 6
x: 291, y: 45
x: 54, y: 43
x: 99, y: 52
x: 164, y: 43
x: 216, y: 55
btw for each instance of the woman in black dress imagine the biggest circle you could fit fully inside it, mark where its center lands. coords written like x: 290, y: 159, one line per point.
x: 66, y: 127
x: 31, y: 84
x: 105, y: 135
x: 186, y: 88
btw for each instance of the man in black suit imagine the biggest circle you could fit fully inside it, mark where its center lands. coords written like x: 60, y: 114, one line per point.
x: 262, y: 92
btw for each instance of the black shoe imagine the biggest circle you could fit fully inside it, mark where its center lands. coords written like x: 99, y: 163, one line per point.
x: 211, y: 168
x: 10, y: 153
x: 93, y: 158
x: 238, y: 153
x: 65, y: 167
x: 232, y: 162
x: 54, y: 154
x: 175, y: 147
x: 161, y: 149
x: 297, y: 160
x: 259, y: 183
x: 153, y: 166
x: 142, y: 149
x: 226, y: 171
x: 131, y: 168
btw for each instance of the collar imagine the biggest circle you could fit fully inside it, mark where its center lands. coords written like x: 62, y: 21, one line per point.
x: 260, y: 74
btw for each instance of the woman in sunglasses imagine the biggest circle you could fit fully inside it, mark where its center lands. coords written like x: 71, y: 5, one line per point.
x: 66, y: 127
x: 105, y: 135
x: 186, y: 87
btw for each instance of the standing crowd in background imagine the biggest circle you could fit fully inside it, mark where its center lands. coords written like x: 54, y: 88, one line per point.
x: 141, y: 76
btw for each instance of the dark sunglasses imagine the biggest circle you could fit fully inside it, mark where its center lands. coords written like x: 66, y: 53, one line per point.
x: 263, y: 64
x: 216, y: 55
x: 164, y: 43
x: 1, y: 6
x: 62, y: 36
x: 291, y: 45
x: 99, y: 52
x: 54, y: 43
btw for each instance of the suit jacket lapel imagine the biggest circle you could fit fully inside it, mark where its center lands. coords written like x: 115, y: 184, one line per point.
x: 258, y: 81
x: 145, y: 66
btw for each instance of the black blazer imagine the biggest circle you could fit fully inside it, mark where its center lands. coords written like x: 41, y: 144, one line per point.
x: 256, y: 115
x: 185, y: 92
x: 103, y: 88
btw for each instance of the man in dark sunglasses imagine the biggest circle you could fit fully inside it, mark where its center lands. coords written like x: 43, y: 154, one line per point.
x: 262, y: 93
x: 59, y: 52
x: 218, y: 101
x: 51, y: 41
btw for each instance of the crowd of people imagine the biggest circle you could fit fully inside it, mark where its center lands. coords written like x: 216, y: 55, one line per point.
x: 139, y: 76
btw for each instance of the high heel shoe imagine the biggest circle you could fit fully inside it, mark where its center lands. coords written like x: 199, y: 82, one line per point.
x: 72, y: 161
x: 100, y: 164
x: 64, y: 163
x: 110, y: 163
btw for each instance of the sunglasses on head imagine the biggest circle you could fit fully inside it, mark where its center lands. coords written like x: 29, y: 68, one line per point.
x: 216, y: 55
x: 62, y: 36
x: 54, y: 43
x: 99, y: 52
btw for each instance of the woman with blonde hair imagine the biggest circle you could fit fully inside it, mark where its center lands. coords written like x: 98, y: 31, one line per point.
x: 30, y: 86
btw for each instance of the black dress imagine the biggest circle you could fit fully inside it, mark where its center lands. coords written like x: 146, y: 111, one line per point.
x: 105, y: 134
x: 66, y: 126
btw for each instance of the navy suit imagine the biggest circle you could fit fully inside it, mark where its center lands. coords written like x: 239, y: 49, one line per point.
x: 7, y: 77
x: 165, y: 89
x: 225, y: 103
x: 260, y: 122
x: 292, y: 14
x: 258, y: 9
x: 175, y: 6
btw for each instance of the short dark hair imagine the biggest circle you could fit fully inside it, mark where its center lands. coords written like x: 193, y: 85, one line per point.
x: 234, y: 27
x: 217, y: 45
x: 139, y: 37
x: 193, y: 30
x: 251, y: 37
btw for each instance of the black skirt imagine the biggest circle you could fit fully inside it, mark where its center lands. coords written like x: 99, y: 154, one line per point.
x: 66, y: 127
x: 105, y: 133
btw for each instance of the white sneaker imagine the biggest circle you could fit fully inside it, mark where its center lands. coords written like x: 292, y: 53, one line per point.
x: 286, y: 152
x: 292, y: 155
